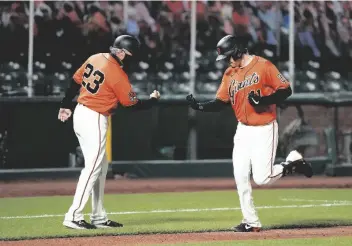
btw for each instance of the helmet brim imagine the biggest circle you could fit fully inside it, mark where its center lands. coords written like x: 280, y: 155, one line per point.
x: 220, y: 57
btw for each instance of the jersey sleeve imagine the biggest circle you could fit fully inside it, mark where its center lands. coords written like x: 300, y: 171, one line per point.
x: 275, y: 79
x: 223, y: 91
x: 78, y: 75
x: 124, y: 92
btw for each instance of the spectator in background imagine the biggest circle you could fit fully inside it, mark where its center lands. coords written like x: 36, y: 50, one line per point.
x: 305, y: 32
x: 214, y: 33
x: 117, y: 26
x: 325, y: 24
x: 240, y: 18
x: 253, y: 23
x: 271, y: 16
x: 132, y: 27
x: 175, y: 9
x: 200, y: 8
x: 71, y: 44
x: 183, y: 32
x: 5, y: 16
x: 259, y: 28
x: 347, y: 10
x: 166, y: 36
x: 115, y: 9
x: 322, y: 28
x: 214, y: 8
x: 153, y: 51
x: 228, y: 27
x: 226, y: 10
x: 345, y: 34
x: 45, y: 30
x: 44, y: 22
x: 143, y: 14
x: 96, y: 21
x: 203, y: 33
x: 285, y: 16
x: 5, y: 41
x: 68, y: 11
x: 115, y: 14
x: 344, y: 31
x: 18, y: 39
x: 241, y: 22
x: 97, y: 29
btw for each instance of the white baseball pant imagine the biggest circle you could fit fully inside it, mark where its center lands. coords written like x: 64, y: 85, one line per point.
x: 254, y: 149
x: 90, y: 128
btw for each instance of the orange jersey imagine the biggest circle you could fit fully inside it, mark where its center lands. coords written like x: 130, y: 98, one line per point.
x: 104, y: 84
x: 260, y: 74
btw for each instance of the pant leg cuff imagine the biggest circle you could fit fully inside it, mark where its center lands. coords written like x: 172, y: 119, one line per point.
x: 98, y: 221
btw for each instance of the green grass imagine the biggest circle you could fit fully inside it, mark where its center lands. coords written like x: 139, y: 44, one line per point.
x: 177, y: 221
x: 338, y: 241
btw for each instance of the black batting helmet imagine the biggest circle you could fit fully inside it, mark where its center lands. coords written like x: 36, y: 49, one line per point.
x: 127, y: 43
x: 230, y: 46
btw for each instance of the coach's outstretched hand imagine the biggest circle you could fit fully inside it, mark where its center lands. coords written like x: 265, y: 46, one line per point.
x: 192, y: 102
x: 155, y: 94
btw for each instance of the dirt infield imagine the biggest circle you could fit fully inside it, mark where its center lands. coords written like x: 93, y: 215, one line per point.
x: 67, y: 187
x: 188, y: 237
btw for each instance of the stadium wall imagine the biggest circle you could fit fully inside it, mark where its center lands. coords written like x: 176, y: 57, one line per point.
x: 145, y: 144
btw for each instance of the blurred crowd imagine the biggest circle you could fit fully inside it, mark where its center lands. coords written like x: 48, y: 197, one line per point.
x: 67, y: 32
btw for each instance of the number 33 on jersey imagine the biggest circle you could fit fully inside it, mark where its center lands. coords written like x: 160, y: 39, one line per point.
x: 104, y: 84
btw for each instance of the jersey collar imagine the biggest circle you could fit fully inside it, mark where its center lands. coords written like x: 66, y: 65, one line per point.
x: 253, y: 58
x: 115, y: 59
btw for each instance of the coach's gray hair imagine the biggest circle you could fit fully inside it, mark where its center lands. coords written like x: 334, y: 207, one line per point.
x: 115, y: 50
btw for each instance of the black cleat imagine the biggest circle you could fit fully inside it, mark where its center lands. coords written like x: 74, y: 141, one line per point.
x: 80, y: 225
x: 296, y: 164
x: 109, y: 224
x: 243, y: 227
x: 303, y: 167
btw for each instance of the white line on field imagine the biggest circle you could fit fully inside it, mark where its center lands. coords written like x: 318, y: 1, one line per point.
x: 185, y: 210
x: 309, y: 200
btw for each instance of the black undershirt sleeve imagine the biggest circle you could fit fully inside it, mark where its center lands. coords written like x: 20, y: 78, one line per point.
x: 213, y: 106
x: 70, y: 93
x: 144, y: 104
x: 277, y: 97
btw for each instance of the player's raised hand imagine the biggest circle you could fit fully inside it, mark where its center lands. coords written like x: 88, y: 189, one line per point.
x: 155, y: 94
x: 64, y: 114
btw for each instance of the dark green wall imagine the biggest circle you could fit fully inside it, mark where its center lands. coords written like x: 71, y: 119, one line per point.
x: 140, y: 135
x: 36, y: 139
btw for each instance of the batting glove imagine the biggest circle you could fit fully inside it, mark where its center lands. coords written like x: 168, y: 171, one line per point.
x: 254, y: 98
x: 193, y: 102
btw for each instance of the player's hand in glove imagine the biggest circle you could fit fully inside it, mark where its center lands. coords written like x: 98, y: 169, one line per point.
x: 192, y: 102
x: 64, y: 114
x: 254, y: 98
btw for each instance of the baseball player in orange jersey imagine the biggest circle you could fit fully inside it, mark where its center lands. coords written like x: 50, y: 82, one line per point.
x: 253, y: 86
x: 102, y: 84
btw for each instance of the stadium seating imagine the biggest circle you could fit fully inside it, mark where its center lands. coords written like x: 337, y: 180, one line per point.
x: 166, y: 67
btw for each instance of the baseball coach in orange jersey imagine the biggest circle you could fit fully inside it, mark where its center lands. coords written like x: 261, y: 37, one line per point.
x: 102, y: 85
